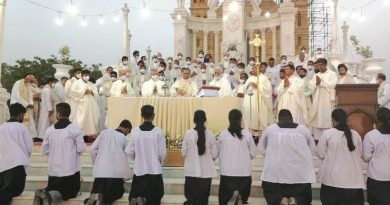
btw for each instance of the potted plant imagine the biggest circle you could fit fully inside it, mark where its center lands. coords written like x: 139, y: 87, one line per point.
x: 62, y: 70
x: 372, y: 65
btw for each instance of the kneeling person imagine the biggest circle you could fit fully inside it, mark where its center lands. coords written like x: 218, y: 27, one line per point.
x: 63, y: 143
x: 111, y: 166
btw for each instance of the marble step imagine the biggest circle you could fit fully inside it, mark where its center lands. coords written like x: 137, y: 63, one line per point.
x: 168, y: 199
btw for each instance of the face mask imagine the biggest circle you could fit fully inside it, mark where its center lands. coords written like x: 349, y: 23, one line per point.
x: 154, y: 77
x: 251, y: 62
x: 200, y: 55
x: 125, y: 62
x: 179, y: 57
x: 169, y: 61
x: 113, y: 79
x: 226, y: 58
x: 155, y: 60
x: 242, y: 81
x: 86, y: 78
x: 123, y: 77
x: 241, y: 70
x: 232, y: 65
x: 175, y: 65
x: 188, y: 62
x: 78, y: 76
x: 319, y: 52
x: 162, y: 78
x: 218, y: 77
x: 203, y: 70
x: 142, y: 71
x: 283, y: 62
x: 310, y: 67
x: 161, y: 68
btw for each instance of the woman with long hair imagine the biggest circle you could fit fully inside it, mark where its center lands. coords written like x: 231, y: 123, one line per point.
x: 199, y: 150
x: 236, y: 149
x: 376, y: 151
x: 341, y: 173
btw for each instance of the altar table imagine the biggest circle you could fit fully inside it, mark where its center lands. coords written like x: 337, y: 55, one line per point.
x: 174, y: 115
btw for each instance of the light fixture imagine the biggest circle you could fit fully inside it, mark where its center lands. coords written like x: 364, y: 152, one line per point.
x: 234, y: 6
x: 102, y: 21
x: 59, y: 20
x: 116, y: 18
x: 267, y: 14
x: 72, y: 9
x: 83, y: 22
x: 178, y: 17
x: 144, y: 12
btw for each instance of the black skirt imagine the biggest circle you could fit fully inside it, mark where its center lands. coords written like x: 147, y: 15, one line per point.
x: 68, y: 186
x: 339, y: 196
x: 149, y: 187
x: 229, y: 184
x: 111, y: 188
x: 197, y: 190
x: 378, y: 192
x: 12, y: 182
x: 274, y: 192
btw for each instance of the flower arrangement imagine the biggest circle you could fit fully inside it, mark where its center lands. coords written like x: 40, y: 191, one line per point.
x: 363, y: 51
x: 173, y: 143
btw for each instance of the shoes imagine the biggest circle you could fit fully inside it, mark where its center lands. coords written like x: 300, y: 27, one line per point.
x: 292, y: 201
x: 140, y: 201
x: 133, y: 201
x: 37, y: 197
x: 94, y: 199
x: 284, y: 201
x: 46, y: 198
x: 236, y: 199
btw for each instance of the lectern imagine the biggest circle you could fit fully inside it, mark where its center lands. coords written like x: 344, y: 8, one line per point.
x: 360, y: 101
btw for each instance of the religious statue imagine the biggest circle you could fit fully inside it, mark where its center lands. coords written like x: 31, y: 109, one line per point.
x: 213, y: 6
x: 256, y: 7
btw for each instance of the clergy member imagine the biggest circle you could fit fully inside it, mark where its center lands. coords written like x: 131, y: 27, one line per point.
x: 184, y: 87
x: 147, y: 149
x: 85, y: 93
x: 344, y: 76
x: 59, y: 91
x: 15, y: 149
x: 63, y: 143
x: 288, y: 172
x: 111, y: 166
x: 307, y: 91
x: 204, y: 77
x: 122, y: 87
x: 323, y: 84
x: 290, y: 95
x: 154, y: 86
x: 46, y: 117
x: 222, y: 83
x: 22, y: 93
x: 383, y: 91
x: 68, y: 92
x: 141, y: 77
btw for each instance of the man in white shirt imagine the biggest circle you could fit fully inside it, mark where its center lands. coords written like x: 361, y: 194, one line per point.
x: 204, y: 77
x: 154, y: 86
x: 59, y: 91
x: 184, y: 87
x: 344, y: 76
x: 288, y: 172
x: 222, y: 83
x: 134, y: 63
x: 46, y: 117
x: 147, y: 149
x: 111, y: 166
x: 15, y: 149
x: 122, y: 87
x: 141, y: 77
x: 301, y: 61
x: 273, y: 71
x: 63, y: 143
x: 68, y: 92
x: 383, y: 91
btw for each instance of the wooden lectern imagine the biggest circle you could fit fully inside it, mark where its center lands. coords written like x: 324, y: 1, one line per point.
x: 360, y: 101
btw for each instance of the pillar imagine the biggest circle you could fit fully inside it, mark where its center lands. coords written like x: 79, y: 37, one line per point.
x: 194, y: 44
x: 345, y: 28
x: 334, y: 39
x: 273, y: 29
x: 263, y: 45
x: 216, y: 46
x: 205, y: 41
x: 4, y: 95
x: 126, y: 32
x: 287, y: 29
x: 251, y: 47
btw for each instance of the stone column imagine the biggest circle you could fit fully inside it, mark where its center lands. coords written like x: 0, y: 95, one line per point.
x: 216, y: 47
x: 181, y: 33
x: 334, y: 39
x: 4, y: 95
x: 2, y: 13
x: 126, y: 32
x: 287, y: 29
x: 273, y: 29
x: 263, y: 45
x: 194, y: 44
x: 345, y: 28
x: 251, y: 47
x: 205, y: 41
x: 148, y: 55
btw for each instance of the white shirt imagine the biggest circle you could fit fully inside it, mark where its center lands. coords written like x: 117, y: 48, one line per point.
x: 196, y: 165
x: 224, y: 85
x: 148, y: 150
x: 63, y: 147
x: 274, y: 71
x: 384, y: 95
x: 59, y: 91
x: 108, y: 155
x: 15, y: 146
x: 376, y: 150
x: 288, y: 155
x: 340, y: 167
x: 235, y: 155
x: 148, y: 86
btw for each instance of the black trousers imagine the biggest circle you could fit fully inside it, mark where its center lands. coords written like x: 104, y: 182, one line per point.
x: 197, y: 190
x: 111, y: 188
x: 68, y: 186
x: 339, y: 196
x: 150, y: 187
x: 12, y: 182
x: 229, y: 184
x: 274, y: 192
x: 378, y: 192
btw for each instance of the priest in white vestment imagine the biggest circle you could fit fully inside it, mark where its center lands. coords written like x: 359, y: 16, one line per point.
x: 290, y: 95
x: 204, y: 77
x: 22, y: 93
x: 103, y: 85
x: 122, y: 87
x: 307, y: 91
x: 46, y: 116
x: 154, y: 86
x: 85, y: 94
x: 383, y: 91
x: 344, y: 76
x: 139, y: 79
x: 257, y: 104
x: 184, y: 87
x: 68, y: 93
x: 222, y: 83
x: 323, y: 84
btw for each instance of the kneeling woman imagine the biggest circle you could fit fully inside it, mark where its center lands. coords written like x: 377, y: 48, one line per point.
x: 199, y: 150
x: 236, y: 150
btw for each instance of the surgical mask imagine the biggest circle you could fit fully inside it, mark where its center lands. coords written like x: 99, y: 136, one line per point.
x: 78, y: 76
x: 113, y: 79
x: 155, y: 60
x: 188, y: 62
x: 203, y: 70
x: 218, y: 77
x: 200, y: 55
x: 123, y: 77
x: 169, y: 61
x: 86, y: 78
x: 161, y: 69
x: 232, y: 65
x: 179, y: 57
x: 251, y: 62
x: 319, y: 52
x: 154, y: 77
x: 226, y: 58
x: 175, y: 65
x: 241, y: 70
x: 242, y: 81
x: 283, y: 62
x: 125, y: 62
x: 310, y: 67
x: 162, y: 78
x: 142, y: 71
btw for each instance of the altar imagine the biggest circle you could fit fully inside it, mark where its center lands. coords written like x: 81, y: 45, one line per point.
x: 173, y: 115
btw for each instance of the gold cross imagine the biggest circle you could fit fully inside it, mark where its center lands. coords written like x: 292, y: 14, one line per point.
x: 256, y: 42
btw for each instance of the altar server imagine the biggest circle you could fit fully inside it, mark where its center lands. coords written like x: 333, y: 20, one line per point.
x: 222, y: 83
x: 290, y: 95
x: 341, y: 172
x: 199, y: 150
x: 236, y: 149
x: 111, y: 166
x: 63, y: 143
x: 154, y: 86
x: 15, y: 149
x: 147, y: 149
x: 85, y: 93
x: 122, y: 87
x: 68, y: 92
x: 288, y: 167
x: 323, y: 85
x: 376, y: 150
x: 22, y: 93
x: 46, y: 117
x: 184, y: 87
